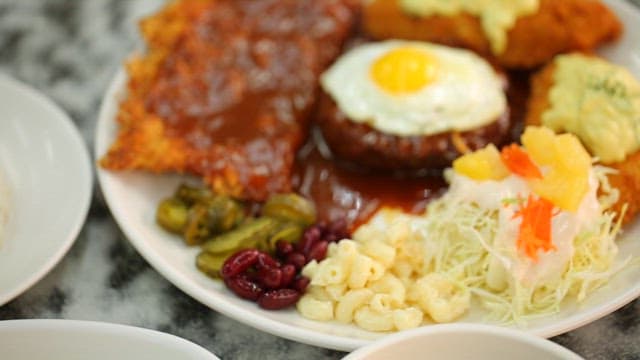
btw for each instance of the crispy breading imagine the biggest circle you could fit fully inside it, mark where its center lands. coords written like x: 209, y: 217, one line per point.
x: 142, y: 142
x: 539, y: 102
x: 627, y: 177
x: 557, y: 27
x: 225, y: 89
x: 627, y: 181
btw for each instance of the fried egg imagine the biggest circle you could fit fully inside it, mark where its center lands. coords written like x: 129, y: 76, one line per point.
x: 410, y: 88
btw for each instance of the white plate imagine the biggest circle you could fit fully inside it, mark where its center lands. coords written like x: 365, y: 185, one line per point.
x: 133, y: 197
x: 45, y: 168
x: 462, y: 342
x: 80, y: 340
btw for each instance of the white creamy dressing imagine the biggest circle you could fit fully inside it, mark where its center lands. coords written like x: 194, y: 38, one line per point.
x: 507, y: 259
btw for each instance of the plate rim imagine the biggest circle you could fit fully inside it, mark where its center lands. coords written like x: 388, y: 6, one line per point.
x: 267, y: 324
x: 61, y: 119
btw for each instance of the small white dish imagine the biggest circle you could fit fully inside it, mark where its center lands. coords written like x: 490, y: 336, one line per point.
x: 134, y: 196
x: 80, y: 340
x: 45, y: 172
x: 462, y: 342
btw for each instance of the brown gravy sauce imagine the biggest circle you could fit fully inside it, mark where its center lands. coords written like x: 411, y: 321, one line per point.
x: 340, y: 192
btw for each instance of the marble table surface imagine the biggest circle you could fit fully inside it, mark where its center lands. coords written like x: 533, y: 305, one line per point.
x: 69, y: 50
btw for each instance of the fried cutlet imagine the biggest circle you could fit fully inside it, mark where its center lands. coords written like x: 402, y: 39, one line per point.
x: 225, y: 89
x: 557, y: 27
x: 627, y: 176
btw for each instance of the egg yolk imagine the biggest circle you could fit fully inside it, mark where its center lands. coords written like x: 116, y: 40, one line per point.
x: 404, y: 70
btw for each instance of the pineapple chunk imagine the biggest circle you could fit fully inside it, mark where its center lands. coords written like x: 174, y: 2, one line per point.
x: 539, y: 144
x: 571, y: 155
x: 564, y: 190
x: 566, y: 179
x: 483, y: 164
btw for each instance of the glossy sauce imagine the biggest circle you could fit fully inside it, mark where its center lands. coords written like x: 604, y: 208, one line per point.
x: 340, y: 192
x: 245, y: 70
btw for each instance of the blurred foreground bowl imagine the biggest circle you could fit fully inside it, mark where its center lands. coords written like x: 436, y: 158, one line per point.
x: 462, y: 341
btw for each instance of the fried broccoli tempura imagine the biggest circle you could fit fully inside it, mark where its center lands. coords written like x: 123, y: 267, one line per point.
x: 627, y: 176
x: 225, y: 89
x: 559, y: 26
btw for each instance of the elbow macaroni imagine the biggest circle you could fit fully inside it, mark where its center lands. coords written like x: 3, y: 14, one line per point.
x: 360, y: 271
x: 330, y: 271
x: 407, y: 318
x: 314, y: 309
x: 372, y: 320
x: 350, y: 302
x: 376, y: 281
x: 391, y: 286
x: 441, y: 298
x: 380, y: 251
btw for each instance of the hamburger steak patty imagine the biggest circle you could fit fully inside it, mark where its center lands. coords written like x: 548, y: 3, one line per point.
x: 364, y: 145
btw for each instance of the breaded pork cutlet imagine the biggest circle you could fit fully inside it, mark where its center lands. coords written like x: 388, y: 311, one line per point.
x: 558, y: 26
x: 225, y: 89
x: 627, y: 176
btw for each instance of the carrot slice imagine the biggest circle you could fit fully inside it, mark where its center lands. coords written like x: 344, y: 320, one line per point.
x: 519, y: 162
x: 535, y: 228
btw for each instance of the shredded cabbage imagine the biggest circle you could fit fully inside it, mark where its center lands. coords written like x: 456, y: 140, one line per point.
x: 459, y: 243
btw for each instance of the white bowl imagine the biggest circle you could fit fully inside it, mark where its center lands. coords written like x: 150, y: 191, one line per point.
x: 81, y: 340
x: 46, y: 171
x: 462, y: 342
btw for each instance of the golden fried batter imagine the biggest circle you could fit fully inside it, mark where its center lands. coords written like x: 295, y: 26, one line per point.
x: 225, y: 89
x: 559, y: 26
x: 538, y: 102
x: 627, y: 178
x: 143, y: 142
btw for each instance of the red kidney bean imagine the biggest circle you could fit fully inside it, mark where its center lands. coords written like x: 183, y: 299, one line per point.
x: 338, y: 226
x: 239, y: 263
x: 322, y: 226
x: 283, y: 248
x: 278, y: 299
x: 318, y: 251
x: 244, y: 288
x: 331, y: 237
x: 265, y: 261
x: 271, y: 278
x: 310, y: 236
x: 301, y: 283
x: 296, y: 259
x: 258, y: 276
x: 251, y: 275
x: 288, y: 273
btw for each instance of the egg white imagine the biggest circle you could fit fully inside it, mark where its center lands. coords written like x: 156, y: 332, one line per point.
x: 466, y: 93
